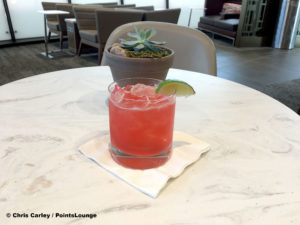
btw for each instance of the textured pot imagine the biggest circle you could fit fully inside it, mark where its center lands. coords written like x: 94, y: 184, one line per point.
x: 125, y: 67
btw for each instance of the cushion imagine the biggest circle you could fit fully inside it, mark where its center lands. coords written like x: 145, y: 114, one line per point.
x: 230, y: 24
x: 90, y: 35
x: 231, y: 8
x: 216, y: 21
x: 53, y: 25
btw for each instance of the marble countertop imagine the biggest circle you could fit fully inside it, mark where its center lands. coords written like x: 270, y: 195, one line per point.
x: 250, y: 176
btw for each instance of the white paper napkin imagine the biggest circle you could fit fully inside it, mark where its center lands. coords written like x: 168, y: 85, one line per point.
x: 186, y: 150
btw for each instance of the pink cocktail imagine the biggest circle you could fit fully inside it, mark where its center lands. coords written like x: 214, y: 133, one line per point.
x: 141, y: 123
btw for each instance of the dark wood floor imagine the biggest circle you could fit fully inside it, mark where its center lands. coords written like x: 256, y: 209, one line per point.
x: 25, y: 60
x: 259, y: 68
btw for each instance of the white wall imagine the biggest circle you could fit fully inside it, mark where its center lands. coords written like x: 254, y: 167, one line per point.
x: 3, y: 24
x: 191, y: 11
x: 27, y: 22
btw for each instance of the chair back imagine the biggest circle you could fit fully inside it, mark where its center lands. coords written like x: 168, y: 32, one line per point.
x: 85, y: 16
x: 116, y: 17
x: 104, y: 3
x: 120, y: 6
x: 61, y: 18
x: 194, y: 50
x: 150, y: 7
x: 167, y: 15
x: 214, y: 7
x: 50, y: 6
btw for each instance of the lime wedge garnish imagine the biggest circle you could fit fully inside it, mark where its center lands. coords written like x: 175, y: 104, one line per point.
x: 175, y: 87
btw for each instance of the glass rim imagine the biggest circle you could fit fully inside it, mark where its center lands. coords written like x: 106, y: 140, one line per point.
x: 112, y: 84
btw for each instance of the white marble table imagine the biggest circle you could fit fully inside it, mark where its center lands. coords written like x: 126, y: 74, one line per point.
x: 250, y: 177
x: 45, y: 13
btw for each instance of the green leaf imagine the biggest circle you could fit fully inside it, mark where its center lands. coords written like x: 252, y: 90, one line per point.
x: 130, y: 43
x: 142, y: 34
x: 133, y: 35
x: 142, y: 42
x: 139, y: 47
x: 148, y: 33
x: 129, y: 48
x: 148, y: 45
x: 158, y: 42
x: 153, y: 33
x: 136, y: 30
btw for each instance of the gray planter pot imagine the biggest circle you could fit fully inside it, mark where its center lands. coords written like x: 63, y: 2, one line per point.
x: 125, y: 67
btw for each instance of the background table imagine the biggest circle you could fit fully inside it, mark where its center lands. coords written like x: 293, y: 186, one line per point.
x: 45, y: 13
x: 250, y: 176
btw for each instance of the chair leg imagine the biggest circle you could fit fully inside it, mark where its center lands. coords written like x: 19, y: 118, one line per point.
x: 61, y: 40
x: 100, y: 50
x: 80, y: 48
x: 49, y: 35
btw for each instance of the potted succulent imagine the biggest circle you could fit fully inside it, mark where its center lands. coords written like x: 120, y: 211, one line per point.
x: 139, y: 56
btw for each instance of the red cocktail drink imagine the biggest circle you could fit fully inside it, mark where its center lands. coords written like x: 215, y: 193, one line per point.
x: 141, y: 123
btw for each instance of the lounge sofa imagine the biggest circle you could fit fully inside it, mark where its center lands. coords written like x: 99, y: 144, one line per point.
x: 221, y: 17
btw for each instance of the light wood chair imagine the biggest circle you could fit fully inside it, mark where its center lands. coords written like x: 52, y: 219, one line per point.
x: 194, y: 50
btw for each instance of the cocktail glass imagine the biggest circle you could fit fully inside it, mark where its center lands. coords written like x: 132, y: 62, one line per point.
x: 141, y: 123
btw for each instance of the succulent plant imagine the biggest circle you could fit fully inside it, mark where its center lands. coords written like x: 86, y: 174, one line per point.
x: 141, y: 47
